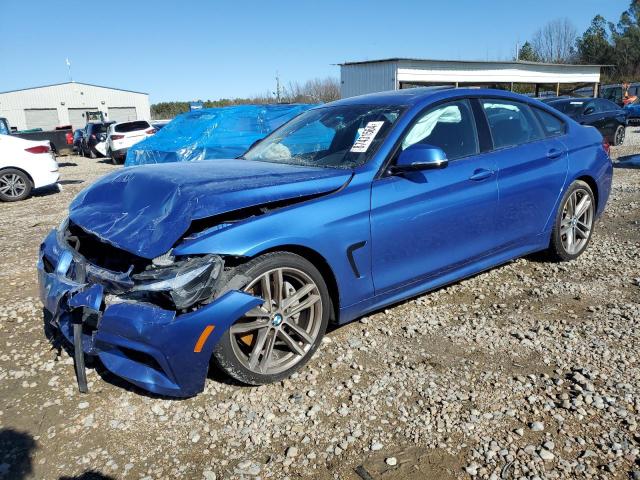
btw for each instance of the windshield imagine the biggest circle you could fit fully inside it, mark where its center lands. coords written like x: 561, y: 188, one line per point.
x: 343, y: 136
x: 572, y: 108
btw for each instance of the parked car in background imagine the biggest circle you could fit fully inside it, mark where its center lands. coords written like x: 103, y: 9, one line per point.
x: 94, y: 139
x: 633, y: 111
x: 78, y: 135
x: 348, y: 207
x: 121, y: 136
x: 606, y: 116
x: 620, y: 94
x: 159, y: 124
x: 25, y: 165
x: 58, y: 138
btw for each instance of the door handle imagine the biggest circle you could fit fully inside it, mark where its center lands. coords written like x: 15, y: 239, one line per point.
x: 481, y: 174
x: 555, y: 153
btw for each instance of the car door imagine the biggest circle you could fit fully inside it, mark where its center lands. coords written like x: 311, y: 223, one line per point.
x: 427, y: 222
x: 592, y: 115
x: 532, y: 163
x: 608, y: 112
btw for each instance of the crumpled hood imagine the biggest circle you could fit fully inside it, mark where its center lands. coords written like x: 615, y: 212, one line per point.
x: 145, y: 210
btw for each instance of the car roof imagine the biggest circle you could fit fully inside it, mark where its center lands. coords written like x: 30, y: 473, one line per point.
x: 423, y: 95
x: 570, y: 99
x: 131, y: 121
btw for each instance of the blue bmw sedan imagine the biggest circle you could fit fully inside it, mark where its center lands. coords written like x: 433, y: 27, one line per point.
x: 161, y: 270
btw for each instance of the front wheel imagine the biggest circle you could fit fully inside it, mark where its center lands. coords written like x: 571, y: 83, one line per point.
x: 274, y: 340
x: 14, y: 185
x: 574, y: 222
x: 618, y: 137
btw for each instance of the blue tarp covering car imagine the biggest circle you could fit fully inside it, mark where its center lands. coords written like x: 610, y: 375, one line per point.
x: 211, y: 133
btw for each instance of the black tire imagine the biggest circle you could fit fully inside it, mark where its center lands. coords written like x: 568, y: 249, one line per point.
x: 8, y: 177
x: 114, y: 160
x: 557, y: 249
x: 618, y: 136
x: 224, y: 354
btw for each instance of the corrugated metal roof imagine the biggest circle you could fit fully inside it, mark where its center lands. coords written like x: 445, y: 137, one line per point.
x: 431, y: 60
x: 73, y: 83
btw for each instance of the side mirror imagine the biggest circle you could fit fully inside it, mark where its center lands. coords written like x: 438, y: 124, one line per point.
x: 420, y: 157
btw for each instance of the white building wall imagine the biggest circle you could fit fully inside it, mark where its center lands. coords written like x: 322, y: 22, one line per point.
x: 70, y: 95
x: 378, y: 76
x: 434, y: 72
x: 367, y: 78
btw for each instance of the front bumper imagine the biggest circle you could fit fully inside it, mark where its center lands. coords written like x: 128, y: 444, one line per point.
x: 153, y: 348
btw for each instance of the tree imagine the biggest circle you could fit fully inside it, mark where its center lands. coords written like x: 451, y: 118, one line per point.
x: 318, y: 90
x: 527, y: 53
x: 594, y: 46
x: 554, y: 43
x: 626, y: 40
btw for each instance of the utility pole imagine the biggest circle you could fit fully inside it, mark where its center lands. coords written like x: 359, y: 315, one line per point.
x: 277, y: 87
x: 69, y: 69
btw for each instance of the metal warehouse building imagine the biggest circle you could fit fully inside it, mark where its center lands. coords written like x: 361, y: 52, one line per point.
x: 358, y: 78
x: 67, y: 103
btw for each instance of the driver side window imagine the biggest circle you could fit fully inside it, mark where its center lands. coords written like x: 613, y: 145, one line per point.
x: 449, y: 126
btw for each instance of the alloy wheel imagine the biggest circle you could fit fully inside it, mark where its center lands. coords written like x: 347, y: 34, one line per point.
x: 277, y: 335
x: 577, y: 221
x: 12, y: 185
x: 619, y: 140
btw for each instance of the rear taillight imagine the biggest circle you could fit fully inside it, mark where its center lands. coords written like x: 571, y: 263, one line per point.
x: 69, y: 138
x: 38, y: 149
x: 93, y: 135
x: 606, y: 146
x: 151, y: 131
x: 117, y: 137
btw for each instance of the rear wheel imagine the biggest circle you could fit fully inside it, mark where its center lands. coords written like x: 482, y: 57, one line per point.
x: 14, y: 185
x: 274, y: 340
x: 618, y: 137
x: 574, y: 222
x: 114, y: 160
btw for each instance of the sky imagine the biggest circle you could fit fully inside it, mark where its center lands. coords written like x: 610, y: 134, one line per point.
x: 201, y: 49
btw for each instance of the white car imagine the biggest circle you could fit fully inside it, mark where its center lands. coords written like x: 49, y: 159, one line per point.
x: 25, y: 165
x: 123, y: 135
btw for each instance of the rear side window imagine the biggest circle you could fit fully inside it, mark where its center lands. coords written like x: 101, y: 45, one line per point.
x: 449, y: 126
x: 511, y: 123
x: 607, y: 106
x: 132, y: 126
x: 551, y: 124
x: 95, y: 128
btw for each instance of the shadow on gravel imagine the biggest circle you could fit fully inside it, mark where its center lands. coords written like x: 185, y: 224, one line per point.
x: 67, y: 164
x: 89, y: 475
x: 628, y: 161
x: 16, y: 449
x: 70, y: 182
x: 45, y: 191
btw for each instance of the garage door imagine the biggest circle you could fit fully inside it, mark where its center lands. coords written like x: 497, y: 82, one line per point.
x: 77, y: 116
x: 44, y: 118
x: 122, y: 114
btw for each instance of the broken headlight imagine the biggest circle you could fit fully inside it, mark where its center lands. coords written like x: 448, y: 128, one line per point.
x: 182, y: 282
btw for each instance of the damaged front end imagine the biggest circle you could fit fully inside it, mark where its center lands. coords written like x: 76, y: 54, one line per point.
x: 152, y: 322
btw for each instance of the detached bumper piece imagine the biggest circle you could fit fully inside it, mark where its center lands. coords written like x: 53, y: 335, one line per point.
x: 154, y: 348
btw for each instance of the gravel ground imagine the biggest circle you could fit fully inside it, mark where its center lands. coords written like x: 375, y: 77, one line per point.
x: 530, y: 370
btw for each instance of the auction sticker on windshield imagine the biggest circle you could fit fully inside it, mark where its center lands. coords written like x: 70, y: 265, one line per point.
x: 366, y: 137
